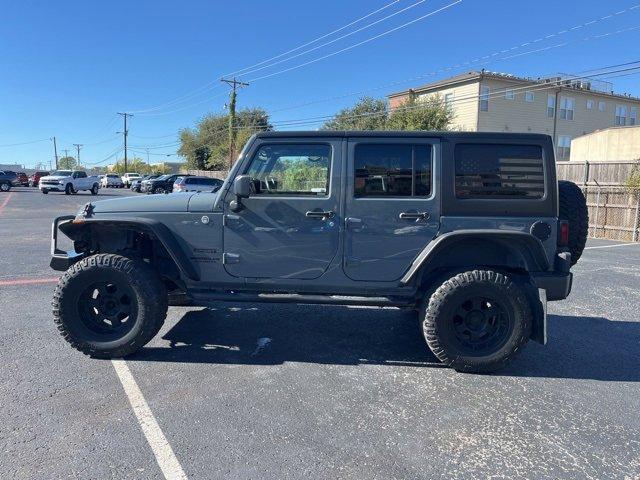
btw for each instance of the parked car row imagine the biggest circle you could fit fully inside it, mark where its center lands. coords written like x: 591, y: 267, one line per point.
x: 72, y: 181
x: 178, y: 183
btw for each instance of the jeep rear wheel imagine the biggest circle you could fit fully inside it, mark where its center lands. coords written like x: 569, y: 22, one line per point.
x: 477, y: 321
x: 573, y: 209
x: 109, y: 306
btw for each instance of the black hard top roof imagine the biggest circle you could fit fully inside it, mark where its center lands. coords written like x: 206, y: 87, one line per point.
x: 409, y: 134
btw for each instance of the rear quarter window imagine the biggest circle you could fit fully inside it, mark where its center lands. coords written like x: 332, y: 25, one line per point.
x: 487, y: 171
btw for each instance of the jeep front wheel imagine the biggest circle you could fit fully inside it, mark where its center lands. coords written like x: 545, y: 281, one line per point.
x: 477, y: 321
x: 109, y: 306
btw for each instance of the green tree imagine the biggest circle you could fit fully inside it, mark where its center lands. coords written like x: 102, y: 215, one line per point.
x: 633, y: 181
x: 67, y: 163
x: 367, y: 114
x: 414, y: 114
x: 206, y: 147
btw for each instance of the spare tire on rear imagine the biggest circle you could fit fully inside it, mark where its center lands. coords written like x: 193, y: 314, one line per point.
x: 573, y: 209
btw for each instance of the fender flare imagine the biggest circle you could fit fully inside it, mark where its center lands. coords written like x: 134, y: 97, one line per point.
x: 157, y: 229
x: 536, y: 256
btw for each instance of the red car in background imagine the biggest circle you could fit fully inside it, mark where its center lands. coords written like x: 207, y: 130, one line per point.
x: 34, y: 179
x: 23, y: 179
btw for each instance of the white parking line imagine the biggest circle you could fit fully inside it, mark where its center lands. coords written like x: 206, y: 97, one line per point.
x: 611, y: 246
x: 163, y: 452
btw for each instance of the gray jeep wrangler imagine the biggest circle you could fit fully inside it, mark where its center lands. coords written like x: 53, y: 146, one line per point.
x: 472, y: 230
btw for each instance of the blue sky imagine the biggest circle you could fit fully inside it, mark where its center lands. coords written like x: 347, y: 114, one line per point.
x: 67, y: 67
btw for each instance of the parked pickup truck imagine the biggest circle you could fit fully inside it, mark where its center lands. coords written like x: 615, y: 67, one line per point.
x: 472, y: 230
x: 70, y: 182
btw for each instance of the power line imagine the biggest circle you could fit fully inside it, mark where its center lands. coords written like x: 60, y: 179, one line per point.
x: 202, y: 89
x: 358, y: 30
x: 351, y: 47
x: 243, y: 70
x: 489, y: 57
x: 24, y: 143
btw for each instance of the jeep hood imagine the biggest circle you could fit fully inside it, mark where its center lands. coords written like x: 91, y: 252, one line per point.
x: 175, y: 202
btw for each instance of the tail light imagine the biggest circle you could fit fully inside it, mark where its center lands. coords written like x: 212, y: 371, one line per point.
x: 563, y: 233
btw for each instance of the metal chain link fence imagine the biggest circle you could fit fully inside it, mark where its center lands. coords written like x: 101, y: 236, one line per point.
x: 613, y: 212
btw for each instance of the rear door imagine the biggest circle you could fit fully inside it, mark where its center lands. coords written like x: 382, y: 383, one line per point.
x: 391, y: 209
x: 289, y: 226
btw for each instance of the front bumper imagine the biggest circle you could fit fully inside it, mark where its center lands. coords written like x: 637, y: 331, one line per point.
x: 61, y: 260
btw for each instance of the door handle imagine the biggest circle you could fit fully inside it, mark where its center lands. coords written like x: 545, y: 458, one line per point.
x: 319, y: 214
x: 414, y: 215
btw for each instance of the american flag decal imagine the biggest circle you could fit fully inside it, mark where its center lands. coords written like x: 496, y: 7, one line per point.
x: 482, y: 175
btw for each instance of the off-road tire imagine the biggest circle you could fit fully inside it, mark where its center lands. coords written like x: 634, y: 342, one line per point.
x: 438, y: 319
x: 150, y: 297
x: 94, y: 190
x: 68, y: 189
x: 5, y: 187
x: 573, y: 209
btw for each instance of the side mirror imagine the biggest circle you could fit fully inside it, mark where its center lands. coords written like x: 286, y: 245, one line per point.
x: 242, y: 186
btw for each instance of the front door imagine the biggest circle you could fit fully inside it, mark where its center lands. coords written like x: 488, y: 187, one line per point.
x: 391, y: 208
x: 289, y: 226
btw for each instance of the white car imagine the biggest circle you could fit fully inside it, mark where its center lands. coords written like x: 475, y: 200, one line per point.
x: 112, y: 180
x: 129, y: 178
x: 69, y: 182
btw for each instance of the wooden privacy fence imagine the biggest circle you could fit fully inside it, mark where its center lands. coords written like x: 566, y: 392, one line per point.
x: 614, y: 211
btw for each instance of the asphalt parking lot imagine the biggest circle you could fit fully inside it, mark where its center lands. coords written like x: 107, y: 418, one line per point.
x: 283, y: 391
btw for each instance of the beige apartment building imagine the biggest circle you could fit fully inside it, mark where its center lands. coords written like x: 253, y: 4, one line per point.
x: 560, y: 107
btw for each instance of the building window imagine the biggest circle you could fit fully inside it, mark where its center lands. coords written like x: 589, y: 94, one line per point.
x: 484, y: 98
x: 602, y: 106
x: 589, y: 104
x: 499, y: 171
x: 529, y: 97
x: 621, y: 116
x: 564, y: 147
x: 392, y: 170
x: 633, y: 118
x: 448, y: 100
x: 551, y: 106
x: 509, y: 94
x: 566, y: 108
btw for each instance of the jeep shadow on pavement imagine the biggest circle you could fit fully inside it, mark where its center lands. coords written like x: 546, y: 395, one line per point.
x: 472, y: 230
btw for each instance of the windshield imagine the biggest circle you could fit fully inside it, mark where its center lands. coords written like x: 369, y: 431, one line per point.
x: 61, y: 173
x: 162, y: 177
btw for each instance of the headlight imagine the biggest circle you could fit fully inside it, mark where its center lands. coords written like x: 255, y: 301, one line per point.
x: 60, y: 182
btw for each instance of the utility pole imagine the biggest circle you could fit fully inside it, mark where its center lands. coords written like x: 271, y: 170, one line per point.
x: 234, y: 84
x: 78, y: 147
x: 55, y: 151
x: 148, y: 161
x: 66, y: 152
x: 125, y: 133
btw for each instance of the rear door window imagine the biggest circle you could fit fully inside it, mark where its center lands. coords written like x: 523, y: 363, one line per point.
x: 386, y: 170
x: 499, y: 171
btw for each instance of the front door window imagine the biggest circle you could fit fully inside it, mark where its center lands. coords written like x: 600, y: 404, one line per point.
x: 291, y: 170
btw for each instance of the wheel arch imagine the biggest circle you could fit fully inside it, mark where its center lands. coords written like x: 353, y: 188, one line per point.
x: 156, y: 231
x: 512, y: 251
